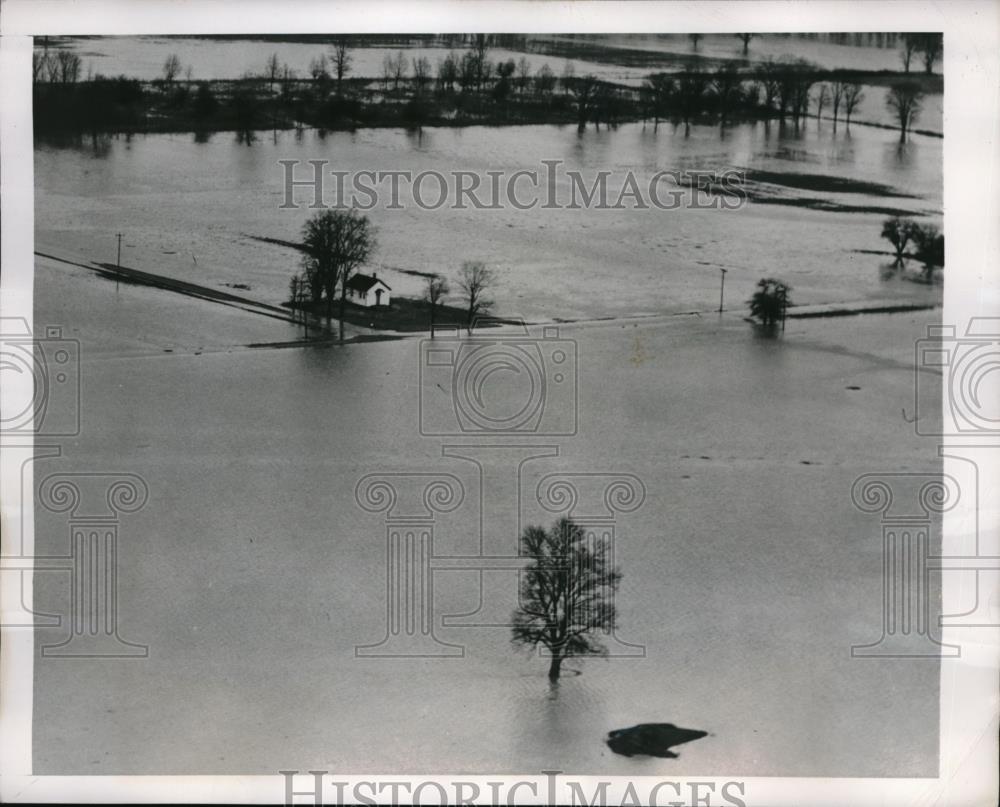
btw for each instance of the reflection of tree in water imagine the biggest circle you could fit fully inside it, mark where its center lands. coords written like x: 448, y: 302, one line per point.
x: 100, y: 144
x: 900, y: 156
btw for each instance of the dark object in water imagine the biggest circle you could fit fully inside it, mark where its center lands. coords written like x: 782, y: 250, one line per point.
x: 651, y: 739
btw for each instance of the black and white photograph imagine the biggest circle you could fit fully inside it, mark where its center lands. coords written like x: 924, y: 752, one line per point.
x: 490, y: 408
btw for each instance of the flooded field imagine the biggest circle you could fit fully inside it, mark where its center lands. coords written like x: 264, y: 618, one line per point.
x: 552, y: 263
x: 253, y: 574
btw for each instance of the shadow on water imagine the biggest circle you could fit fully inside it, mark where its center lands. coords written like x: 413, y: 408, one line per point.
x: 651, y: 739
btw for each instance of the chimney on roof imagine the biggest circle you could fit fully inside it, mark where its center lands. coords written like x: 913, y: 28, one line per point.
x: 374, y: 275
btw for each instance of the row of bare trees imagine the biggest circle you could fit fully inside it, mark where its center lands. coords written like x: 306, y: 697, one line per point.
x: 59, y: 67
x: 787, y: 89
x: 475, y: 280
x: 929, y: 46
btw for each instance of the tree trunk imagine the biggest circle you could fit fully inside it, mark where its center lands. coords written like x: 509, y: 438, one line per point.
x: 343, y: 296
x: 555, y: 667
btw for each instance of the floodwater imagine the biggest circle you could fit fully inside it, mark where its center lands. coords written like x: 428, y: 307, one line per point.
x: 199, y: 224
x: 252, y: 574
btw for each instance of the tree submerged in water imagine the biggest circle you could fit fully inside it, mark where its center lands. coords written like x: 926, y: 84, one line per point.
x: 770, y: 301
x: 566, y: 593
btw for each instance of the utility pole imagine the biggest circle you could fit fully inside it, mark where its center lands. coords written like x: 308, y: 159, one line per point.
x: 722, y: 288
x: 119, y: 263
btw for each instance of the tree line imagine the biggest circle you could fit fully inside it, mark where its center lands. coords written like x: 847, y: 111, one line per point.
x: 465, y: 85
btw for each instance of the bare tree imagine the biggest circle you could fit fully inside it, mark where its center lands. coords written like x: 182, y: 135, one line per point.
x: 388, y: 69
x: 567, y: 594
x: 568, y: 75
x: 853, y: 96
x: 660, y: 87
x: 585, y: 93
x: 468, y: 71
x: 341, y: 61
x: 335, y: 244
x: 904, y: 101
x: 745, y: 39
x: 691, y: 87
x: 822, y: 99
x: 523, y: 73
x: 909, y: 46
x: 836, y: 96
x: 39, y: 65
x: 437, y: 289
x: 695, y: 39
x: 475, y: 280
x: 770, y: 79
x: 801, y: 77
x: 931, y: 45
x: 421, y: 72
x: 898, y: 232
x: 398, y: 70
x: 480, y: 47
x: 171, y: 68
x: 447, y: 71
x: 318, y: 68
x: 545, y: 80
x: 726, y: 85
x: 68, y: 66
x: 272, y: 69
